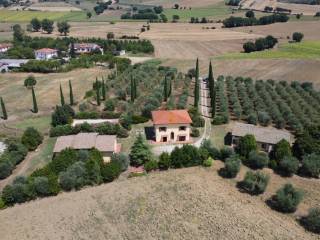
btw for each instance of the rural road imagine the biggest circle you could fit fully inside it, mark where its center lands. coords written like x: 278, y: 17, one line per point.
x: 205, y: 112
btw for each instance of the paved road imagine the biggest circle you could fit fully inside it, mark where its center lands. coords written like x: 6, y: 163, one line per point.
x: 205, y: 112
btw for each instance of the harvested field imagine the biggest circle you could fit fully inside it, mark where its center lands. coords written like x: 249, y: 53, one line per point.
x: 53, y: 7
x: 192, y: 203
x: 170, y: 3
x: 310, y: 29
x: 282, y: 69
x: 18, y: 99
x: 295, y: 8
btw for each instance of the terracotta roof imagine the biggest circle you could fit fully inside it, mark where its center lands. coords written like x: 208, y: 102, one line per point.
x: 47, y: 50
x: 5, y: 45
x: 262, y: 134
x: 171, y: 117
x: 103, y: 143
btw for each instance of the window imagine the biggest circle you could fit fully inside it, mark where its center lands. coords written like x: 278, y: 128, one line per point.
x: 182, y: 138
x: 162, y: 129
x: 182, y: 128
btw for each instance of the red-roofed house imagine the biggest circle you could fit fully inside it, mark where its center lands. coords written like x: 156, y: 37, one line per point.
x: 81, y: 48
x: 172, y: 125
x: 46, y: 53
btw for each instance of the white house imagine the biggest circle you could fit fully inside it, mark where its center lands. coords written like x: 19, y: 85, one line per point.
x: 171, y: 126
x: 46, y: 54
x: 82, y: 48
x: 4, y: 47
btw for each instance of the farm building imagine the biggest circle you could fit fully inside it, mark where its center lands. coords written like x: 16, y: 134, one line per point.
x: 13, y: 63
x: 82, y: 48
x: 266, y: 137
x: 171, y: 125
x: 106, y: 144
x: 46, y: 54
x: 4, y: 47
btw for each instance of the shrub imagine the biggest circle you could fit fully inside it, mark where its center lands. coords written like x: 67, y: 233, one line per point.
x: 311, y: 165
x: 288, y: 165
x: 186, y: 156
x: 287, y: 199
x: 2, y: 204
x: 232, y: 167
x: 281, y: 150
x: 31, y: 138
x: 110, y: 171
x: 250, y: 14
x: 122, y: 159
x: 41, y: 185
x: 226, y: 152
x: 62, y: 115
x: 255, y: 182
x: 109, y: 105
x: 297, y: 36
x: 213, y: 152
x: 249, y: 47
x: 30, y: 81
x: 164, y: 161
x: 257, y: 160
x: 264, y: 118
x: 195, y: 132
x: 208, y: 162
x: 246, y: 145
x: 73, y: 177
x: 6, y: 168
x: 151, y: 166
x: 312, y: 221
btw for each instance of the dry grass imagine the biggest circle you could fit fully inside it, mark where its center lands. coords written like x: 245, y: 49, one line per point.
x: 19, y: 101
x: 192, y: 203
x: 295, y: 8
x: 170, y: 3
x: 53, y: 6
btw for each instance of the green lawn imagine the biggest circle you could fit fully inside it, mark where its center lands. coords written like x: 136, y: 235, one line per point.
x: 219, y: 10
x: 303, y: 50
x: 42, y: 157
x: 25, y: 16
x: 40, y: 123
x: 218, y: 134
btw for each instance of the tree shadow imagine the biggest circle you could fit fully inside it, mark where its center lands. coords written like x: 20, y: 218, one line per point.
x: 150, y: 134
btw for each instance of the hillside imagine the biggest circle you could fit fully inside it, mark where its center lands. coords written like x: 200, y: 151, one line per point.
x: 192, y: 203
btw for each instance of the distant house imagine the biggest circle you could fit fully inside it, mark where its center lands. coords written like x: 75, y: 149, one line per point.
x: 13, y: 63
x: 82, y: 48
x: 4, y: 47
x: 106, y: 144
x: 266, y: 137
x: 4, y: 67
x: 119, y: 52
x: 46, y: 53
x: 171, y: 126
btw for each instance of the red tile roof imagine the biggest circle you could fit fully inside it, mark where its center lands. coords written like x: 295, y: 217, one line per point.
x: 47, y: 50
x: 171, y: 117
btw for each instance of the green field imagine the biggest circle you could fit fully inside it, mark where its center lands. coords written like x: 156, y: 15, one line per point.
x: 25, y: 16
x: 219, y: 10
x: 303, y: 50
x: 40, y: 123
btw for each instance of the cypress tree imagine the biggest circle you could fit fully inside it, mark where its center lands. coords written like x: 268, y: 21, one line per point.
x: 61, y: 97
x: 34, y: 100
x: 212, y: 89
x: 103, y: 90
x: 165, y: 89
x: 71, y: 94
x: 132, y: 86
x: 135, y: 88
x: 4, y: 111
x: 72, y: 51
x: 98, y: 96
x: 196, y: 87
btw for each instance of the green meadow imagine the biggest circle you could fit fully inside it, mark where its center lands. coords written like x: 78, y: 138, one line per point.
x: 303, y: 50
x: 26, y: 16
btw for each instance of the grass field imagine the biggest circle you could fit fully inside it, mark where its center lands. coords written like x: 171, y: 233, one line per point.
x: 42, y: 123
x: 303, y: 50
x: 25, y: 16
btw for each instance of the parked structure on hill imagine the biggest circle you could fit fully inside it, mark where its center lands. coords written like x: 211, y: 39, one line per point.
x: 106, y: 144
x: 46, y: 53
x: 266, y: 137
x: 82, y: 48
x: 172, y: 126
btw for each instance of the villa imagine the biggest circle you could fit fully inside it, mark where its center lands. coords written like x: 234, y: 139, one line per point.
x: 82, y: 48
x: 4, y: 47
x: 172, y: 126
x: 46, y: 54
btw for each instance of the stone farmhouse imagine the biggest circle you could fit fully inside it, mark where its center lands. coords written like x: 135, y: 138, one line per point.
x: 46, y: 53
x: 172, y: 126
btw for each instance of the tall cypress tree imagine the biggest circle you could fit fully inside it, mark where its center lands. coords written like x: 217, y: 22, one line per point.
x: 34, y: 100
x: 98, y: 96
x: 4, y: 111
x: 135, y: 88
x: 103, y: 90
x: 212, y: 89
x: 61, y: 97
x: 71, y: 94
x: 132, y: 89
x: 165, y: 89
x: 197, y: 87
